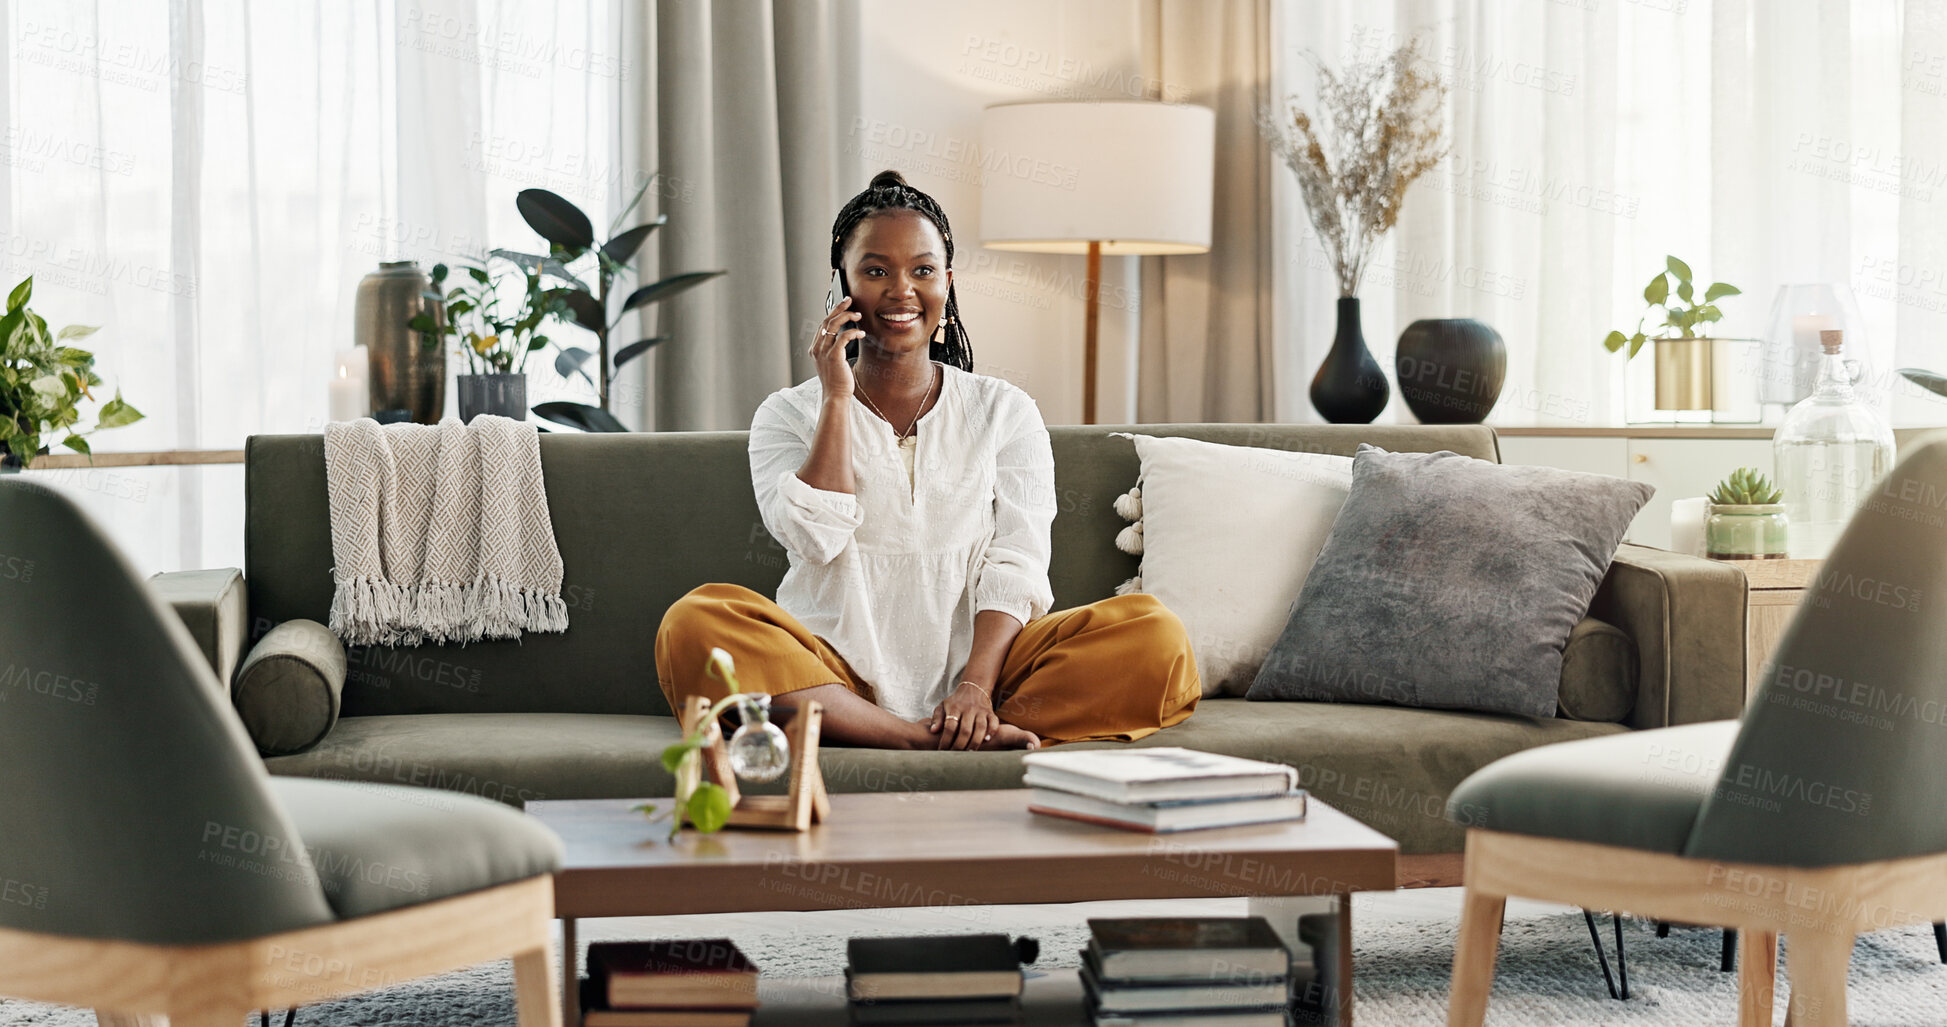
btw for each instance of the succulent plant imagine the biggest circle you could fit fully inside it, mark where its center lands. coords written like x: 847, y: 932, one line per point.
x: 1745, y: 487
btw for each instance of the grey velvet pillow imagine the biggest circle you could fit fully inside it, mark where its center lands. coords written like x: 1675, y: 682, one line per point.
x: 1450, y: 582
x: 288, y: 689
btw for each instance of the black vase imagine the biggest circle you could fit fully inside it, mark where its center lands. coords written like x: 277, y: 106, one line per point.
x: 1450, y: 369
x: 1349, y: 388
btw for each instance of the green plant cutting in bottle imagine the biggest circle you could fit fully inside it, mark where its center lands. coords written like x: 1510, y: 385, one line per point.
x: 1681, y: 320
x: 758, y: 752
x: 43, y: 381
x: 1745, y: 487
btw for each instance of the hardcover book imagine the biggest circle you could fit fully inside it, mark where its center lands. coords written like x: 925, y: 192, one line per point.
x: 1150, y: 949
x: 595, y: 1014
x: 694, y: 974
x: 1219, y: 1018
x: 976, y: 1010
x: 1161, y: 774
x: 953, y: 966
x: 1238, y: 993
x: 1165, y: 817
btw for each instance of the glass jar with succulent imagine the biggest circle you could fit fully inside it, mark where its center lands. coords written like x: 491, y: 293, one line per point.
x: 1378, y: 126
x: 42, y: 384
x: 1747, y: 519
x: 494, y: 334
x: 1684, y: 346
x: 758, y: 751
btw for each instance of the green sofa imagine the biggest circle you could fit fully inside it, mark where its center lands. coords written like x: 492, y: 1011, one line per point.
x: 643, y: 518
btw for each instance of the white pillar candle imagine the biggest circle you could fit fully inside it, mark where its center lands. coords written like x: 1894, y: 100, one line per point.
x: 1687, y: 525
x: 351, y: 385
x: 1805, y: 350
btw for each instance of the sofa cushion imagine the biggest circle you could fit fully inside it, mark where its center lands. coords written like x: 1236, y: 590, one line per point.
x: 381, y: 847
x: 508, y: 757
x: 1227, y: 535
x: 1391, y: 768
x: 1450, y: 582
x: 288, y: 687
x: 1638, y: 789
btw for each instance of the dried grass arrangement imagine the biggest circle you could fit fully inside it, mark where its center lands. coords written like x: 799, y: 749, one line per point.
x: 1378, y: 127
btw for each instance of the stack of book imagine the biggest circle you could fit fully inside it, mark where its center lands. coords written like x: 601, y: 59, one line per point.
x: 1186, y: 972
x: 1162, y: 789
x: 702, y: 983
x: 973, y: 978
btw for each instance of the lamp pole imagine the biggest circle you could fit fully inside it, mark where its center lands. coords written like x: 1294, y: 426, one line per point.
x: 1091, y: 293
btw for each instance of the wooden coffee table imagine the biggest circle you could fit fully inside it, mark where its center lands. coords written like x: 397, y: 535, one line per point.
x: 977, y: 848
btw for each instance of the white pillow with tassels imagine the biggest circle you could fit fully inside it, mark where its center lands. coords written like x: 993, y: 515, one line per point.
x: 1227, y: 535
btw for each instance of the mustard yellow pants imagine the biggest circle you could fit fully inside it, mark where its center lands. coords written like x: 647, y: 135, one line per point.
x: 1114, y: 670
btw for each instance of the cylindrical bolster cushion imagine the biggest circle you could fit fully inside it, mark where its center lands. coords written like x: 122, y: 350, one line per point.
x: 1598, y: 673
x: 288, y: 688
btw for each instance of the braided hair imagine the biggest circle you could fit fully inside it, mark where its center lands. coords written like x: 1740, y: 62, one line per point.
x: 889, y: 191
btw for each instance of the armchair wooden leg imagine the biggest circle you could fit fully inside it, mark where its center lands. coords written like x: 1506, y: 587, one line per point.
x: 1819, y: 962
x: 1473, y: 958
x: 537, y: 1003
x: 1757, y: 977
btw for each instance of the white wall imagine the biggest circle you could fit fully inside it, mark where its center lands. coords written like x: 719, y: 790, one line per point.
x: 927, y: 72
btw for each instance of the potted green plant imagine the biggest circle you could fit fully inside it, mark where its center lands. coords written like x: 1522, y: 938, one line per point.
x: 1683, y: 351
x: 1747, y: 519
x: 574, y: 254
x: 494, y: 336
x: 42, y: 384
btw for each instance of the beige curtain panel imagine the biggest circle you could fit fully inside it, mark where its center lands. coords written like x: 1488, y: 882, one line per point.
x: 1206, y: 319
x: 739, y: 112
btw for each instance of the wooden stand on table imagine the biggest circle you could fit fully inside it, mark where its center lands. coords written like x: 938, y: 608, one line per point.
x: 797, y: 809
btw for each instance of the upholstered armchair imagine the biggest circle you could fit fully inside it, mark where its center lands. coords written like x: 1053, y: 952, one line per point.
x: 152, y: 868
x: 1819, y: 815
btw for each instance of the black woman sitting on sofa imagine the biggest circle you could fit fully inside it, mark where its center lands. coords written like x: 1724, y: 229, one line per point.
x: 914, y: 498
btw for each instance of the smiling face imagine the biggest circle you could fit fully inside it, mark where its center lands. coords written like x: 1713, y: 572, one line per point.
x: 895, y: 268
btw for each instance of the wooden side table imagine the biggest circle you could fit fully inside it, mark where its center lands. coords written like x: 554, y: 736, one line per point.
x: 1775, y: 589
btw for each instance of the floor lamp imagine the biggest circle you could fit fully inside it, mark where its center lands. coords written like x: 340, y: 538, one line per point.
x: 1121, y: 178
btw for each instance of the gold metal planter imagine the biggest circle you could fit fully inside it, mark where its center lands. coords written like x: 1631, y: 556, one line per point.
x: 1683, y: 373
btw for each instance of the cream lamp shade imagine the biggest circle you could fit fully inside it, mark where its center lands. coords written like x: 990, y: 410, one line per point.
x: 1133, y: 176
x: 1126, y: 178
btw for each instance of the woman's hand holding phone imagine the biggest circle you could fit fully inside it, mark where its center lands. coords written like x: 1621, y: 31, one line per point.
x: 828, y: 349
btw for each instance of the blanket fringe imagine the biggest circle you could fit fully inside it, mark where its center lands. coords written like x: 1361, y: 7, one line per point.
x: 367, y: 610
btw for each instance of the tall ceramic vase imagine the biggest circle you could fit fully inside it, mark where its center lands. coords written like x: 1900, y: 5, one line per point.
x: 1349, y: 387
x: 408, y: 373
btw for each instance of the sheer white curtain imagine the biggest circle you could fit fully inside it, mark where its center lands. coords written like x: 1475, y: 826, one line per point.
x: 209, y: 179
x: 1764, y: 141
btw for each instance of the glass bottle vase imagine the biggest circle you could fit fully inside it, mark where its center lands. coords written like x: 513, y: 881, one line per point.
x: 1829, y: 453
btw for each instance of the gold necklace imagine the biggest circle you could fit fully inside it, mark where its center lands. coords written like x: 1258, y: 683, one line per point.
x: 860, y: 390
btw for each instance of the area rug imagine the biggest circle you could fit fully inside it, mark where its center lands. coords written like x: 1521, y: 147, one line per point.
x: 1546, y: 975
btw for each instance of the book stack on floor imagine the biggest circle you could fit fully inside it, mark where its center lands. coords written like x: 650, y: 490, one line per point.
x: 1186, y: 972
x: 973, y: 978
x: 701, y: 983
x: 1162, y: 789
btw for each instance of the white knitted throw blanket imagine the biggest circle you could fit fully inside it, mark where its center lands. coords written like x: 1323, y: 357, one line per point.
x: 440, y: 532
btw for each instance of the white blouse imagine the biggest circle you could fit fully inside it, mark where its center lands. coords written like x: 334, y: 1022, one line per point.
x: 891, y: 577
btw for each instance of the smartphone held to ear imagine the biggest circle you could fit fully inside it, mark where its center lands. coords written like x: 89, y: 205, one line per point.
x: 836, y: 291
